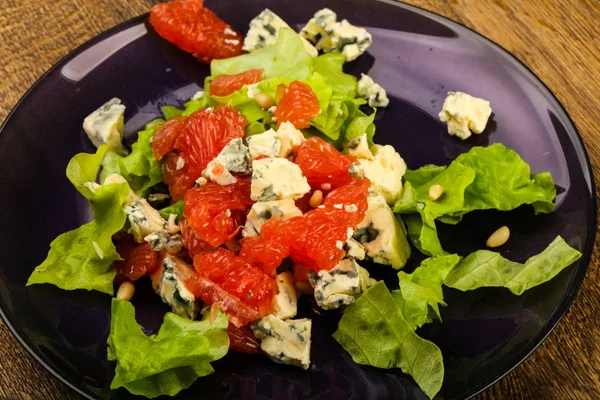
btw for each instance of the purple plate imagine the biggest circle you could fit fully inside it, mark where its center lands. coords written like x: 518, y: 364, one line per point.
x: 417, y: 56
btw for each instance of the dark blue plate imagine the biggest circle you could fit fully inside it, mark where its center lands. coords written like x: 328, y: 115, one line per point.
x: 417, y: 57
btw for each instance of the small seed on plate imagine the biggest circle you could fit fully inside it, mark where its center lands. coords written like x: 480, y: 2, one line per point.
x: 499, y: 237
x: 435, y: 192
x: 126, y: 291
x: 304, y: 287
x: 316, y: 199
x: 264, y: 100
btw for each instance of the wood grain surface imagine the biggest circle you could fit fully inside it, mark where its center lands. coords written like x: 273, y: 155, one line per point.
x: 558, y: 40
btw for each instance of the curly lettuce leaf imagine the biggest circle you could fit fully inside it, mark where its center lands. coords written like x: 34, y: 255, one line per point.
x: 421, y: 292
x: 168, y: 362
x: 82, y: 258
x: 393, y: 344
x: 285, y: 59
x: 141, y: 170
x: 330, y: 67
x: 486, y: 268
x: 493, y: 177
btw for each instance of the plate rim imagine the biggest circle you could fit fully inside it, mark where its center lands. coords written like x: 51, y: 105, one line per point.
x: 571, y: 291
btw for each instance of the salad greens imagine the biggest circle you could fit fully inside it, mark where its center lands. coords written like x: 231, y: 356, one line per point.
x: 396, y: 345
x: 493, y: 177
x: 141, y: 170
x: 489, y: 269
x: 379, y: 328
x: 420, y: 293
x: 169, y: 361
x: 83, y: 258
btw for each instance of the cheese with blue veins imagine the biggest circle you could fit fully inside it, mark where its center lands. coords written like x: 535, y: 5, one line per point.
x: 262, y: 211
x: 330, y: 36
x: 106, y: 125
x: 341, y: 285
x: 359, y: 148
x: 163, y: 241
x: 285, y: 302
x: 285, y: 342
x: 233, y: 158
x: 273, y: 143
x: 385, y: 171
x: 264, y: 30
x: 277, y: 179
x: 375, y: 95
x: 465, y: 114
x: 169, y: 283
x: 381, y: 234
x: 145, y: 220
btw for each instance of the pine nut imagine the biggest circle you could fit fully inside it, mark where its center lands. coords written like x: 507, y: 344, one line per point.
x: 316, y: 199
x: 499, y: 237
x: 435, y: 192
x: 264, y: 100
x: 126, y: 291
x: 304, y: 287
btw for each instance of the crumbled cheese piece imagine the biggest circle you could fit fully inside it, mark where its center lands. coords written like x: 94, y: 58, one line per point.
x: 285, y: 342
x: 106, y: 125
x: 262, y: 211
x: 277, y: 179
x: 285, y: 302
x: 385, y: 171
x: 465, y: 114
x: 375, y: 95
x: 233, y: 158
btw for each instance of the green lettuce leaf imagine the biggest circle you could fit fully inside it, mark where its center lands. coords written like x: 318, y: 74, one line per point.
x: 171, y: 111
x: 393, y: 343
x: 175, y: 208
x: 421, y: 291
x: 330, y: 67
x: 82, y: 258
x: 166, y: 363
x: 141, y: 170
x: 195, y: 105
x: 285, y: 59
x: 493, y: 177
x: 486, y: 268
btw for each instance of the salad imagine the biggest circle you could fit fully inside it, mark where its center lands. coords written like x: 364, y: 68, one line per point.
x: 268, y: 189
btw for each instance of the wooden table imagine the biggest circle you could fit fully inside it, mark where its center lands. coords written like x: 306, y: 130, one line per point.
x: 558, y: 40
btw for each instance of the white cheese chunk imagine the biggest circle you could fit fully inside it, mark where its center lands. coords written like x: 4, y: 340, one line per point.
x: 290, y: 138
x: 341, y: 285
x: 359, y: 148
x: 106, y: 125
x: 381, y: 234
x: 277, y: 179
x: 163, y: 241
x: 233, y: 158
x: 354, y: 249
x: 385, y: 171
x: 264, y: 30
x: 465, y: 114
x: 145, y: 220
x: 264, y: 144
x: 330, y: 36
x: 262, y: 211
x: 285, y: 302
x: 278, y: 143
x: 285, y: 342
x: 375, y: 95
x: 169, y: 283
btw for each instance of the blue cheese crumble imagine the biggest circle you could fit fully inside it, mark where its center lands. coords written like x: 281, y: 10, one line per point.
x: 285, y: 342
x: 263, y: 211
x: 106, y: 125
x: 341, y: 285
x: 277, y: 179
x: 285, y: 302
x: 330, y: 36
x: 169, y: 283
x: 375, y: 95
x: 233, y: 158
x: 264, y: 30
x: 464, y: 114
